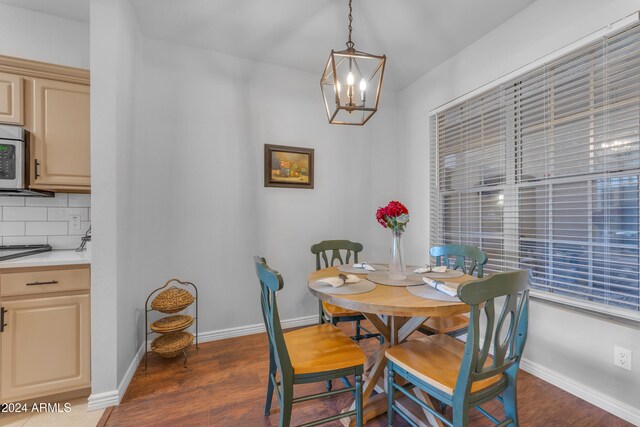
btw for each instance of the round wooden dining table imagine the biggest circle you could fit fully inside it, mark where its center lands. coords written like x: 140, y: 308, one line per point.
x: 396, y: 314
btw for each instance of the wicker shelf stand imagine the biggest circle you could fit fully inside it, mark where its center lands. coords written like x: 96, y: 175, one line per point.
x: 173, y: 339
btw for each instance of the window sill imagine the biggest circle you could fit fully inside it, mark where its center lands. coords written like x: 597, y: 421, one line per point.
x: 600, y: 310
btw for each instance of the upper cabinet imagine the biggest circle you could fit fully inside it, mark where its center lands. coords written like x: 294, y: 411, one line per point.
x: 11, y: 99
x: 52, y: 103
x: 60, y: 148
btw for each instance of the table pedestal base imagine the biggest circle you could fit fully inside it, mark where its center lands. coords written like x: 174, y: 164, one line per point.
x: 395, y: 330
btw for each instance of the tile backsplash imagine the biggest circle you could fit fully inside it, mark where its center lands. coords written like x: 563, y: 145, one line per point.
x: 38, y: 220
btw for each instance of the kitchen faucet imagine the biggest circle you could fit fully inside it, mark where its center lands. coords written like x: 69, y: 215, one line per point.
x: 86, y: 238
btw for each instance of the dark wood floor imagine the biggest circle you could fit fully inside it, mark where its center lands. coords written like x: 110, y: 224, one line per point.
x: 225, y: 385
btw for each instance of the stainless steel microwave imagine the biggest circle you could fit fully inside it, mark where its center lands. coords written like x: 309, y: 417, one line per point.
x: 12, y: 158
x: 13, y: 163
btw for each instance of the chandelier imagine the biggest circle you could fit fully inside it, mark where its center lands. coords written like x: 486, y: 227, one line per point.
x: 351, y: 84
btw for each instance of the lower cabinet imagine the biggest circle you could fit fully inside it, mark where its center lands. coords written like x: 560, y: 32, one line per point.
x: 44, y: 346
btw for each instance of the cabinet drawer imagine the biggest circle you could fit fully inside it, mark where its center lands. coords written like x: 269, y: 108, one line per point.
x: 38, y: 282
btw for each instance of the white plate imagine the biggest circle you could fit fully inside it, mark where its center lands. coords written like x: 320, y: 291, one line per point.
x: 449, y: 274
x: 360, y: 287
x: 429, y: 292
x: 349, y: 268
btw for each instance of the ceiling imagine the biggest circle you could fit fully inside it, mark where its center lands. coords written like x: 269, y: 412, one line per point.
x: 416, y: 35
x: 71, y: 9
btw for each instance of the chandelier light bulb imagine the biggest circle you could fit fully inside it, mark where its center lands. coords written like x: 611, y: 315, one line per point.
x: 363, y: 89
x: 350, y: 78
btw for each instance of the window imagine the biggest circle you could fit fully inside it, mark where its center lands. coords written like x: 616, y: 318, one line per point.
x: 542, y: 173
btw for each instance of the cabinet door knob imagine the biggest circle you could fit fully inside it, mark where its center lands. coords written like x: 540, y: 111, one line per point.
x: 50, y: 282
x: 35, y: 167
x: 2, y: 324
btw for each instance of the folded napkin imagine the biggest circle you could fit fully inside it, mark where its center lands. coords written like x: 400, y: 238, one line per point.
x: 450, y: 289
x: 440, y: 269
x: 336, y: 282
x: 364, y: 266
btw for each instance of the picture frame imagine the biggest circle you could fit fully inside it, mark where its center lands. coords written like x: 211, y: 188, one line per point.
x: 288, y: 167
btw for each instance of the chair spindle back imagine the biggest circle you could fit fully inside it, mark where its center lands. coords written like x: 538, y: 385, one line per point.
x: 481, y: 295
x: 349, y: 248
x: 467, y: 258
x: 270, y: 283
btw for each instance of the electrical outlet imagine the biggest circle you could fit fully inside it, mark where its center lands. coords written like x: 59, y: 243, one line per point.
x: 75, y: 222
x: 622, y: 357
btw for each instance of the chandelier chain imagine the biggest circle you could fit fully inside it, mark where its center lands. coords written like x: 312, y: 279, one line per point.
x: 350, y: 44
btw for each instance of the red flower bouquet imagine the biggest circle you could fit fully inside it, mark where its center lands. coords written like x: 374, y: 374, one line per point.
x: 394, y: 216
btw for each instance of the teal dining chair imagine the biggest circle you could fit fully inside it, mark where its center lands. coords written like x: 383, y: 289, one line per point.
x: 466, y: 258
x: 465, y: 376
x: 470, y: 260
x: 329, y: 313
x: 307, y: 355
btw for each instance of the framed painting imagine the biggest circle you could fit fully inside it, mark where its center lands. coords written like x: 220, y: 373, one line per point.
x: 289, y: 167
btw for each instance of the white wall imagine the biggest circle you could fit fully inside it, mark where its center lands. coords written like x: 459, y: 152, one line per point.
x: 576, y: 345
x: 206, y: 117
x: 138, y: 198
x: 116, y: 298
x: 41, y: 37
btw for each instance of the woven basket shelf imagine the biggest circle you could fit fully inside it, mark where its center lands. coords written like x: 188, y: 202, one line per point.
x: 173, y: 339
x: 172, y: 300
x: 172, y: 324
x: 171, y: 344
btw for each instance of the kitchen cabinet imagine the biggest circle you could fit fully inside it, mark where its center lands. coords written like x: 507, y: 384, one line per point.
x: 59, y: 143
x: 45, y: 343
x: 52, y: 103
x: 11, y: 99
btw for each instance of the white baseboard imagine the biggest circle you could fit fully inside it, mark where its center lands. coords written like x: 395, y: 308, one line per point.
x: 103, y: 400
x: 254, y: 329
x: 128, y: 376
x: 591, y: 395
x: 113, y: 398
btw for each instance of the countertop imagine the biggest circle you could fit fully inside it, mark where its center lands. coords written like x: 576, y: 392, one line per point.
x: 55, y: 257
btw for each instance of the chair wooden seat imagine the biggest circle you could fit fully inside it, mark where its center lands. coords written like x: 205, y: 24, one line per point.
x: 445, y: 325
x: 322, y: 348
x: 335, y: 311
x: 436, y: 360
x: 465, y: 375
x: 308, y: 355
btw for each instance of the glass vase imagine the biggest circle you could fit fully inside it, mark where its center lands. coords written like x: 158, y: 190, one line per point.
x: 397, y: 267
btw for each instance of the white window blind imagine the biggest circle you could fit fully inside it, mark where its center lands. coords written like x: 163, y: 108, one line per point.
x: 542, y: 173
